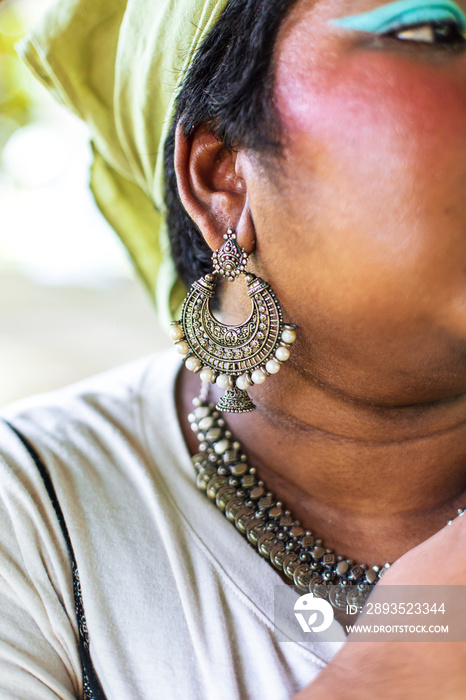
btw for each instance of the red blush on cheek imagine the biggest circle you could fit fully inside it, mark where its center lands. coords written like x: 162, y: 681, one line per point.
x: 373, y: 100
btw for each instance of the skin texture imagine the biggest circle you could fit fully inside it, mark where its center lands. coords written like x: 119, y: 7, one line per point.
x: 360, y: 229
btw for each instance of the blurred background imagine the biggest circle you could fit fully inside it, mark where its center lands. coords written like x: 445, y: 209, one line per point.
x: 70, y: 304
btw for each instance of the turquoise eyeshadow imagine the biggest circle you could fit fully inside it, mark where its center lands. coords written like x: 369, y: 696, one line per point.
x: 404, y: 13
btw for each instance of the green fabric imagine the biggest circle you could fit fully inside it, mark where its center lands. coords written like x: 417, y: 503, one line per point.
x: 117, y: 64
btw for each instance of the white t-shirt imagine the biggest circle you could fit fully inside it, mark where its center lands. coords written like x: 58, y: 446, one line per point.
x: 178, y: 604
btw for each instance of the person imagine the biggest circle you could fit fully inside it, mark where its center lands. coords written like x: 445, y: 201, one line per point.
x: 329, y: 137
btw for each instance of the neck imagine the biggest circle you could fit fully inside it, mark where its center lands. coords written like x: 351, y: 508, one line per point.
x: 371, y: 481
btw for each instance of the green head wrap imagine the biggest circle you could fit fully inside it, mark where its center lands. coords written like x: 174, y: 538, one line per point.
x: 117, y: 64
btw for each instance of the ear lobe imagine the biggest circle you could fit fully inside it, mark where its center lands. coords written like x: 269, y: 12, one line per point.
x: 210, y: 189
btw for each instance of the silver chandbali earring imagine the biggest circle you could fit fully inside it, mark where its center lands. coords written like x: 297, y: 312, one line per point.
x: 233, y: 357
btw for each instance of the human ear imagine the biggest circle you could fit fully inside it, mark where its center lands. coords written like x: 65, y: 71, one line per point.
x: 211, y: 188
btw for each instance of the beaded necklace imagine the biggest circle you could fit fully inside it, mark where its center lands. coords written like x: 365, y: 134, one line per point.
x: 224, y: 474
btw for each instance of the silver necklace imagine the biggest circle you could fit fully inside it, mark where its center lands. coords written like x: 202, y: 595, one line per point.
x: 226, y: 477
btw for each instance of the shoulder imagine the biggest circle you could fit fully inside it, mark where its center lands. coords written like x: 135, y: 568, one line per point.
x: 105, y: 392
x: 90, y: 438
x: 94, y: 407
x: 92, y: 432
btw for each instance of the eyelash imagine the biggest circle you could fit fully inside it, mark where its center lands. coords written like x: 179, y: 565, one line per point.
x: 444, y: 35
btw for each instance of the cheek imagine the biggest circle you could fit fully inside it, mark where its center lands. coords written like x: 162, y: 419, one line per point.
x: 379, y: 141
x: 377, y: 103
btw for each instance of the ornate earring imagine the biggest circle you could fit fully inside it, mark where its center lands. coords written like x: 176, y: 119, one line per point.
x: 233, y: 357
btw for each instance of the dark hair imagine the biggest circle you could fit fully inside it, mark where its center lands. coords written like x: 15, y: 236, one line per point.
x: 229, y: 89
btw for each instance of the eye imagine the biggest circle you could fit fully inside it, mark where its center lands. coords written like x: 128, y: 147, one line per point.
x: 434, y: 33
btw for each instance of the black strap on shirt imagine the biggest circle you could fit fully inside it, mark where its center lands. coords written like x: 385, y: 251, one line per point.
x: 91, y: 684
